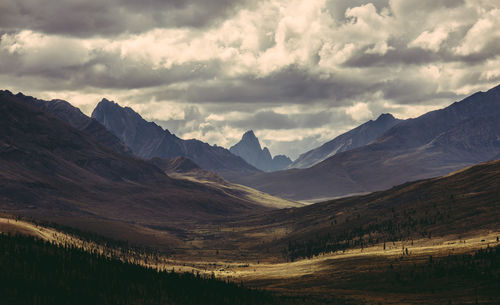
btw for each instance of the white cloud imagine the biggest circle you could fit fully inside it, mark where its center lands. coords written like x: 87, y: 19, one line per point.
x: 359, y: 112
x: 334, y: 63
x: 484, y: 32
x: 43, y: 51
x: 430, y: 40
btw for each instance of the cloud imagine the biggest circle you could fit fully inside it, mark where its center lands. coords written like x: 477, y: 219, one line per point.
x: 297, y: 72
x: 359, y: 112
x: 88, y: 18
x: 430, y: 41
x: 483, y: 36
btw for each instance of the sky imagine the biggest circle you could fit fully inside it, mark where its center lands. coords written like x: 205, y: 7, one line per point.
x: 298, y: 73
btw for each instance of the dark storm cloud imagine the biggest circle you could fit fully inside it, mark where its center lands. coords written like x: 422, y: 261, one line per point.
x: 404, y: 56
x: 273, y: 120
x: 110, y: 17
x: 73, y: 68
x: 290, y: 85
x: 408, y: 91
x: 398, y: 56
x: 265, y: 120
x: 299, y: 71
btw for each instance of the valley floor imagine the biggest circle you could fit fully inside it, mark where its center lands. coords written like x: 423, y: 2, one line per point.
x: 441, y: 270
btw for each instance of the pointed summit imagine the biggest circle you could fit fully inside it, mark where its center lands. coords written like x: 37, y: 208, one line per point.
x: 385, y: 117
x: 357, y: 137
x: 148, y: 140
x: 249, y: 134
x: 250, y: 140
x: 250, y: 150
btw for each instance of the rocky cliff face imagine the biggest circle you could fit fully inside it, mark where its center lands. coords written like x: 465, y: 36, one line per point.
x: 354, y: 138
x: 250, y: 150
x: 148, y: 140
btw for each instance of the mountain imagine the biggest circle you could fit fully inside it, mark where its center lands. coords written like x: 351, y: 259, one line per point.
x: 176, y: 165
x: 185, y: 169
x: 459, y: 204
x: 148, y: 140
x: 73, y: 116
x: 52, y: 171
x: 354, y: 138
x: 250, y: 150
x: 434, y: 144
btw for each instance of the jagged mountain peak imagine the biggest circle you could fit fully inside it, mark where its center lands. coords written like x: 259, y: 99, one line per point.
x: 75, y: 117
x: 249, y: 134
x: 250, y: 150
x: 250, y: 139
x: 148, y: 140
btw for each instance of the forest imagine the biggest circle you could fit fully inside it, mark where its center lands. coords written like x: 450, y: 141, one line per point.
x: 37, y: 272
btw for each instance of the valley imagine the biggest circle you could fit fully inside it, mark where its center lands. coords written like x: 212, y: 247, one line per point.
x: 353, y: 274
x: 417, y: 242
x: 270, y: 152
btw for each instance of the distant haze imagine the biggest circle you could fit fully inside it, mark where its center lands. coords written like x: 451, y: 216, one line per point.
x: 298, y: 73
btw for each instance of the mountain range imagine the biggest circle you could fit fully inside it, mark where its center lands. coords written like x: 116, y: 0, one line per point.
x: 250, y: 150
x: 53, y: 171
x: 357, y: 137
x: 434, y: 144
x: 148, y: 140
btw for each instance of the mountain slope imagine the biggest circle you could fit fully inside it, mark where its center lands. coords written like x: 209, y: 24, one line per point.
x: 148, y: 140
x: 250, y: 150
x: 50, y: 170
x: 354, y: 138
x: 460, y: 204
x: 73, y: 116
x: 185, y: 169
x: 434, y: 144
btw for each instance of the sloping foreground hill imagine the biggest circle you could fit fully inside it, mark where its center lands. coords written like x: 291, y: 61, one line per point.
x: 39, y: 273
x: 459, y: 204
x: 53, y: 171
x: 434, y: 144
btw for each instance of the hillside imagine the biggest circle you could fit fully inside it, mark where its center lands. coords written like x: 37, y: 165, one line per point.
x: 74, y: 117
x: 434, y: 144
x: 67, y: 275
x: 52, y: 171
x: 184, y: 169
x: 357, y: 137
x: 459, y: 204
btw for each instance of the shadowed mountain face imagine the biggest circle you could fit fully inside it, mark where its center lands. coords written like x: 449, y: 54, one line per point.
x: 250, y: 150
x: 354, y: 138
x: 434, y: 144
x: 148, y: 140
x: 50, y: 170
x: 73, y: 116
